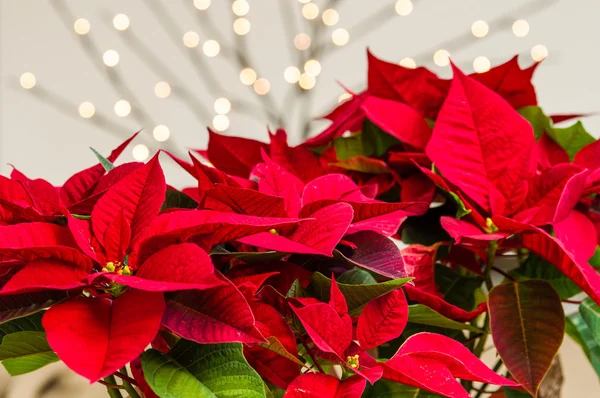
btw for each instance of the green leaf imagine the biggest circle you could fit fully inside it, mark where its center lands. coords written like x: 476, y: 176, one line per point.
x: 21, y: 305
x: 168, y: 379
x: 538, y: 120
x: 32, y: 323
x: 363, y: 164
x: 24, y: 352
x: 515, y: 393
x: 81, y: 217
x: 222, y: 368
x: 590, y: 312
x: 389, y: 389
x: 357, y: 296
x: 424, y: 315
x: 457, y: 289
x: 179, y: 200
x: 528, y: 324
x: 426, y: 229
x: 572, y: 138
x: 578, y: 330
x: 348, y: 147
x: 273, y: 344
x: 377, y: 139
x: 461, y: 209
x: 536, y: 267
x: 107, y: 164
x: 357, y: 276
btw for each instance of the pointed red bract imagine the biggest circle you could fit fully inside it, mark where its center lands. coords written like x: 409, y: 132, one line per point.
x: 95, y: 337
x: 483, y: 146
x: 382, y: 320
x: 138, y: 197
x: 206, y: 316
x: 233, y: 155
x: 319, y: 385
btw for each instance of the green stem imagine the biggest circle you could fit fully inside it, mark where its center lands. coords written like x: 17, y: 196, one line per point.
x: 491, y: 252
x: 484, y: 386
x: 112, y: 392
x: 128, y: 387
x: 312, y: 357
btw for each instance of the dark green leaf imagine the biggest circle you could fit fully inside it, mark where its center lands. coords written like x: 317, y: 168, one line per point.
x: 536, y: 267
x: 357, y: 296
x: 377, y: 139
x: 32, y: 323
x: 348, y: 147
x: 572, y: 138
x: 426, y: 229
x: 539, y: 121
x: 178, y: 200
x: 222, y: 368
x: 24, y: 352
x: 21, y: 305
x: 362, y: 164
x: 81, y: 217
x: 515, y: 393
x: 168, y: 379
x: 107, y: 164
x: 578, y: 330
x: 248, y: 257
x: 457, y: 289
x: 357, y: 276
x: 389, y: 389
x: 424, y: 315
x: 590, y: 312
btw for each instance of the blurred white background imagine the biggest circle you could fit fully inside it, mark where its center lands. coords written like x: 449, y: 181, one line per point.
x: 43, y: 134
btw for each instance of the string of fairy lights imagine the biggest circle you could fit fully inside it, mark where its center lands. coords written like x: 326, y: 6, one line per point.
x: 307, y: 41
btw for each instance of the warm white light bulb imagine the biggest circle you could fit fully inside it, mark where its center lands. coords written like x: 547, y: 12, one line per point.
x: 310, y: 11
x: 161, y: 133
x: 291, y: 74
x: 539, y: 52
x: 240, y: 7
x: 121, y: 22
x: 520, y: 28
x: 262, y: 86
x: 441, y: 58
x: 162, y: 89
x: 302, y: 41
x: 191, y: 39
x: 404, y: 7
x: 202, y: 4
x: 340, y: 37
x: 307, y: 81
x: 248, y: 76
x: 111, y: 58
x: 221, y: 122
x: 222, y: 106
x: 344, y: 97
x: 27, y: 80
x: 241, y: 26
x: 330, y: 17
x: 122, y: 108
x: 312, y: 67
x: 211, y: 48
x: 481, y: 64
x: 82, y: 26
x: 87, y: 110
x: 140, y: 152
x: 480, y: 28
x: 408, y: 63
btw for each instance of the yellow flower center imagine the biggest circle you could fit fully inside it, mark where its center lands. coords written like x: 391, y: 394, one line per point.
x: 353, y: 361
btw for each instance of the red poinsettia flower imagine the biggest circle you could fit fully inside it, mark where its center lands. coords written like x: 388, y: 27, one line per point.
x: 485, y: 150
x: 330, y: 328
x: 24, y: 199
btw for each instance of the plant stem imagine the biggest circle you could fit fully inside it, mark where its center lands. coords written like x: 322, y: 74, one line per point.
x: 504, y: 274
x: 481, y: 390
x: 127, y: 383
x: 312, y: 357
x: 112, y: 387
x: 491, y: 252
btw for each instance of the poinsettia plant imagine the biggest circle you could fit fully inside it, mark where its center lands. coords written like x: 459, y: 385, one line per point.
x: 431, y: 221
